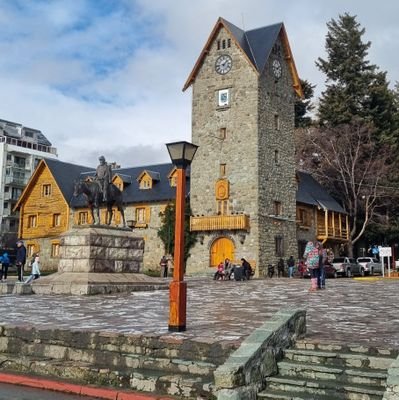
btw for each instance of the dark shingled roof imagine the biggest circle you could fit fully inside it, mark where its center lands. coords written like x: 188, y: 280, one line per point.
x: 257, y: 43
x: 160, y: 191
x: 154, y: 175
x: 65, y: 174
x: 311, y: 192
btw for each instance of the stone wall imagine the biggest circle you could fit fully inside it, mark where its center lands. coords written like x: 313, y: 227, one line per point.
x: 243, y: 375
x: 392, y: 390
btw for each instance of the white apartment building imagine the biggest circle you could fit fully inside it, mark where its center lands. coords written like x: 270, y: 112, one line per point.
x: 21, y: 148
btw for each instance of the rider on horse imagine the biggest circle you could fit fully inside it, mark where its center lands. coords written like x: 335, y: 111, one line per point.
x: 103, y: 177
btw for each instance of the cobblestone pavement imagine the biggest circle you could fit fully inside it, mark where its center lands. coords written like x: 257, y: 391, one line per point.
x: 350, y: 311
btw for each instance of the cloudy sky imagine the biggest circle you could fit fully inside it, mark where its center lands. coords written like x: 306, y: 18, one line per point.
x: 106, y: 76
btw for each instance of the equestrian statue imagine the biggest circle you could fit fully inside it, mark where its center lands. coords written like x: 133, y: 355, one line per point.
x: 101, y: 191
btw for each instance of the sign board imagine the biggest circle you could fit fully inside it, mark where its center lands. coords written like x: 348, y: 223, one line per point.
x: 385, y: 251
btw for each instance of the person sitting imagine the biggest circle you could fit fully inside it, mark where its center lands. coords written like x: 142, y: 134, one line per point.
x: 228, y: 268
x: 35, y: 270
x: 219, y: 274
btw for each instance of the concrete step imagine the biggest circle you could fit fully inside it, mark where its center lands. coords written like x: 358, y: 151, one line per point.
x: 323, y: 387
x: 353, y: 360
x: 347, y: 348
x: 341, y: 375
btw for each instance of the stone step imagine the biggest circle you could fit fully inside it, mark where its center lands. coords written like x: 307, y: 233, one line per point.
x: 287, y: 395
x: 180, y: 385
x: 171, y: 365
x: 323, y: 387
x: 353, y: 360
x: 307, y: 344
x: 341, y: 375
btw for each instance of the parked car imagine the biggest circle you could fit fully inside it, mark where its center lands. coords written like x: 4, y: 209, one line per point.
x: 346, y: 266
x: 369, y: 266
x: 329, y: 270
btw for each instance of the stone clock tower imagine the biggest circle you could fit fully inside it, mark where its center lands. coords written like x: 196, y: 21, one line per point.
x: 243, y: 184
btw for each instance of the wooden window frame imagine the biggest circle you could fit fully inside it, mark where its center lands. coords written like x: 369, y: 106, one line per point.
x: 141, y: 215
x: 83, y: 218
x: 223, y: 133
x: 304, y: 217
x: 46, y: 190
x: 32, y: 221
x: 56, y: 220
x: 279, y: 246
x: 55, y: 249
x: 278, y: 208
x: 222, y: 207
x: 222, y: 170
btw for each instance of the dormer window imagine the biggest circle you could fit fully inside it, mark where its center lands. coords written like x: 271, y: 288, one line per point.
x: 173, y: 178
x: 147, y: 179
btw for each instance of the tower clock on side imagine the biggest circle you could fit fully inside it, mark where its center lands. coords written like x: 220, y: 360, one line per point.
x: 223, y: 64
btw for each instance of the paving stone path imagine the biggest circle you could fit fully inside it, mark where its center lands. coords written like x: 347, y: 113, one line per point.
x: 350, y: 311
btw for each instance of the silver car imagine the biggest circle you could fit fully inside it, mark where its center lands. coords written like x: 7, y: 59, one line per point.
x: 369, y: 266
x: 346, y: 266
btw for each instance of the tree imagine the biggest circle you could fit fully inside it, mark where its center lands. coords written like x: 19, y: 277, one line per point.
x: 347, y: 160
x: 354, y: 87
x: 304, y: 106
x: 167, y: 230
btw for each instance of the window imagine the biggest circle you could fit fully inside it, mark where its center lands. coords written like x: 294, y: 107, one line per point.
x: 141, y: 216
x: 9, y: 157
x: 46, y: 190
x: 32, y: 221
x: 223, y: 44
x: 303, y: 217
x: 277, y: 208
x: 222, y: 169
x: 222, y: 133
x: 30, y: 250
x: 5, y: 205
x: 83, y: 217
x: 223, y: 98
x: 218, y: 44
x: 276, y: 157
x: 173, y: 181
x: 56, y: 220
x: 146, y: 183
x: 222, y: 207
x: 55, y: 249
x: 279, y: 246
x: 15, y: 193
x: 276, y: 122
x: 228, y: 42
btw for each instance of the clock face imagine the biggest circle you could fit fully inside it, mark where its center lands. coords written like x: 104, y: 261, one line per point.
x: 277, y: 69
x: 223, y: 64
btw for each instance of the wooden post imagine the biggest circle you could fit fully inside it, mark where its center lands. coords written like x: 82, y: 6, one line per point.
x: 178, y: 288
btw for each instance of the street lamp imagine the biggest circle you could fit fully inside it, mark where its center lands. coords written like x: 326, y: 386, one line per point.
x: 181, y: 154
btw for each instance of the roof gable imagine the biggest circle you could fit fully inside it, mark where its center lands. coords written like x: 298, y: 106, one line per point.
x: 256, y: 45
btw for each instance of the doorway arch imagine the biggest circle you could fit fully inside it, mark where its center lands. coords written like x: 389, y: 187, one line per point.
x: 221, y: 249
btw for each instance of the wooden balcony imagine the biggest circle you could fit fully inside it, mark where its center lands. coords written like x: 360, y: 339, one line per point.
x: 219, y: 222
x: 332, y: 226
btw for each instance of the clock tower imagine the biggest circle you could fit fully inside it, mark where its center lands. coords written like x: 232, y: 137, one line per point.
x: 243, y: 184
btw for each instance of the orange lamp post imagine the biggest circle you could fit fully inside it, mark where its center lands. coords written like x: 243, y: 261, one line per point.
x: 181, y: 154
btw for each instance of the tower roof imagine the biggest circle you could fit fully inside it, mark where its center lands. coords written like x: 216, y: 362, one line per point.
x: 256, y: 45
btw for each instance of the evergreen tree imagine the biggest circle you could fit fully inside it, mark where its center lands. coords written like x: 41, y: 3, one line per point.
x: 304, y: 106
x: 167, y: 230
x: 354, y: 87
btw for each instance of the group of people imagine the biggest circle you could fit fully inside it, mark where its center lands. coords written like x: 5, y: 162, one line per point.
x: 20, y: 261
x: 165, y: 265
x: 226, y: 270
x: 316, y: 256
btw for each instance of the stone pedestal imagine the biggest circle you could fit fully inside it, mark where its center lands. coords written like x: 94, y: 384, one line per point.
x: 100, y: 250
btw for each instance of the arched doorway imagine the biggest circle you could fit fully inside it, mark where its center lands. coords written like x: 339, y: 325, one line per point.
x: 221, y: 248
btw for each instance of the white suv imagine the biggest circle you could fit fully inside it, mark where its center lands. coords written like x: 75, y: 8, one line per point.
x: 369, y: 266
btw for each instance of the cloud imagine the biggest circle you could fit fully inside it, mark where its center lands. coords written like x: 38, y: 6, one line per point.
x: 100, y: 77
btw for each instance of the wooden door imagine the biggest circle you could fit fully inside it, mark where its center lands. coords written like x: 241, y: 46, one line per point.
x: 221, y: 248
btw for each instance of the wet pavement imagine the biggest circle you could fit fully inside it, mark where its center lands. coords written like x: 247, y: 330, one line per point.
x: 350, y: 311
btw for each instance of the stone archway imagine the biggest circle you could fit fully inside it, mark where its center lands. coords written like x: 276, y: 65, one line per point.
x: 221, y: 249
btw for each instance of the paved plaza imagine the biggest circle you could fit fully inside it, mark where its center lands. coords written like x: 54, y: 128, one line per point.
x: 349, y: 310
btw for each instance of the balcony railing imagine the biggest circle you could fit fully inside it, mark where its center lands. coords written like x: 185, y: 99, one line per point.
x: 219, y: 222
x: 331, y: 233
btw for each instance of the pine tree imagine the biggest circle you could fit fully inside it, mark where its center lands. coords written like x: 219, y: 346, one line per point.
x: 354, y: 87
x: 304, y: 106
x: 167, y: 230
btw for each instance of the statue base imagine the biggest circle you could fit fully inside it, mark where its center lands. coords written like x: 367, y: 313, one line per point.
x: 100, y: 249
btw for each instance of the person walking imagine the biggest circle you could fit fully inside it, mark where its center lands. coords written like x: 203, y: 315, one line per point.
x: 291, y: 265
x: 164, y: 267
x: 5, y: 263
x: 20, y: 260
x: 321, y: 279
x: 311, y: 256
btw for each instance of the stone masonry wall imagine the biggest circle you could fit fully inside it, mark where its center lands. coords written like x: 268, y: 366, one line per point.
x: 276, y: 152
x: 243, y: 375
x: 238, y: 150
x: 392, y: 390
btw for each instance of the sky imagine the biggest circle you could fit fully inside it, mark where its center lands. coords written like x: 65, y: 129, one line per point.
x: 105, y: 77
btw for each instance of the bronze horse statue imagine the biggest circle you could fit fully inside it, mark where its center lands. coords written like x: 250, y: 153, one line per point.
x: 94, y: 197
